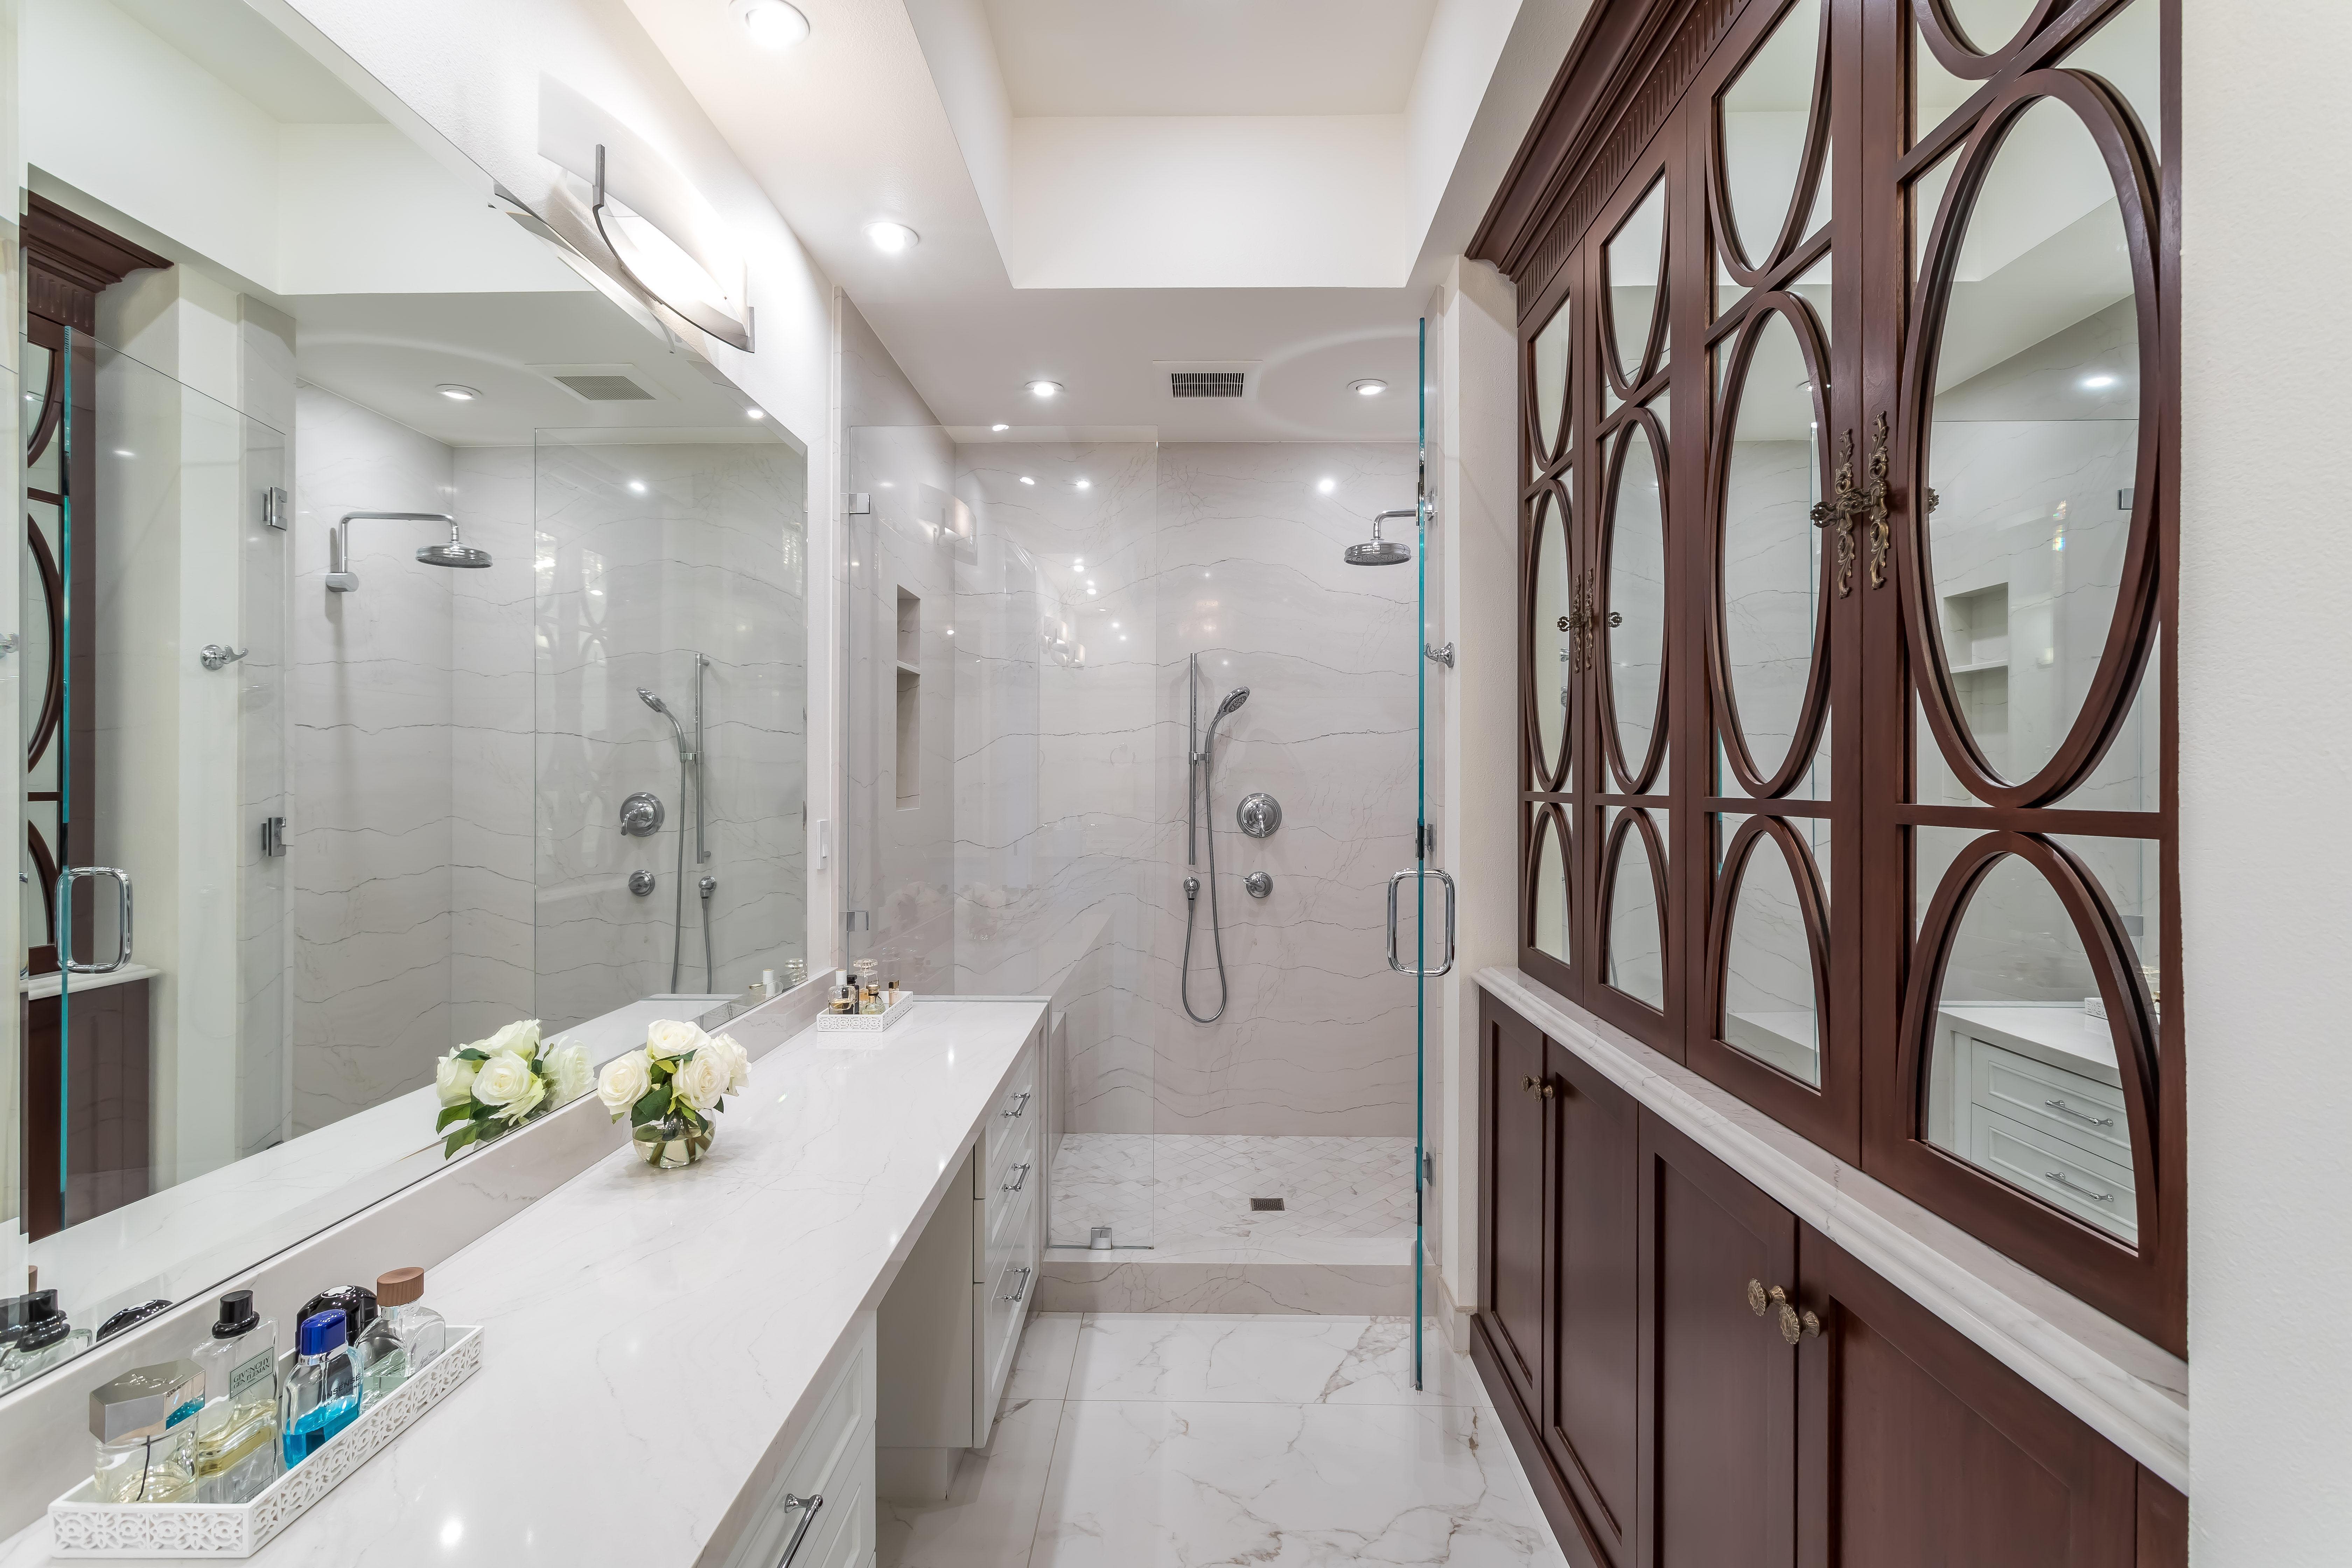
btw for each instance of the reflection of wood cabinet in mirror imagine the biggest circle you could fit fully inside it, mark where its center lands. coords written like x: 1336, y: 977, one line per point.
x: 97, y: 1156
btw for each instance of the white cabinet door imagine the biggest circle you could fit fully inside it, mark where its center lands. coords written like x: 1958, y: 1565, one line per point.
x: 818, y: 1512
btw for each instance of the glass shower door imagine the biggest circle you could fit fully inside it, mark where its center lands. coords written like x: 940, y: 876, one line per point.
x: 152, y: 705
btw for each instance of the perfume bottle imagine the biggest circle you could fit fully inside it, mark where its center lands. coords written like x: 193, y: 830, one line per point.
x: 322, y: 1393
x: 845, y: 999
x: 237, y: 1453
x: 46, y: 1339
x: 404, y: 1338
x: 356, y: 1303
x: 145, y: 1440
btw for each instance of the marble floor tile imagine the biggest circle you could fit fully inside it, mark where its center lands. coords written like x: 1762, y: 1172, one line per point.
x: 1190, y: 1441
x: 1182, y: 1484
x: 989, y: 1518
x: 1265, y: 1360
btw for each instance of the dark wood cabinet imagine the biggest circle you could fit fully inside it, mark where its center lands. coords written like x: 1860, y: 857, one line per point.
x: 1665, y: 1422
x: 1718, y: 1384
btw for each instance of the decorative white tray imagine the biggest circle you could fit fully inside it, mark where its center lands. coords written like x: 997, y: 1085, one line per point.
x: 863, y: 1023
x: 85, y: 1527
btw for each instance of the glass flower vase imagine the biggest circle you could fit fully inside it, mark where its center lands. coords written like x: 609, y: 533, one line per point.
x: 667, y: 1143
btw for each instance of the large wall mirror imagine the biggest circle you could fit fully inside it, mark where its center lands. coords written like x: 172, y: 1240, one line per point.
x: 411, y: 640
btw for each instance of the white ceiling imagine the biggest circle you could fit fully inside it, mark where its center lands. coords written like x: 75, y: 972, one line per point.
x: 851, y: 126
x: 1209, y: 56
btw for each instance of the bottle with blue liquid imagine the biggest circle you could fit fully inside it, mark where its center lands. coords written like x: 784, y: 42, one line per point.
x: 322, y: 1393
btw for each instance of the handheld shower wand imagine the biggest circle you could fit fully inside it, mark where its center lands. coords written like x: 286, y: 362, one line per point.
x: 687, y: 758
x: 1197, y: 787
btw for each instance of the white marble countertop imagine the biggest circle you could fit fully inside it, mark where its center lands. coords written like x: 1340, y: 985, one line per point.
x: 2129, y: 1389
x: 650, y: 1332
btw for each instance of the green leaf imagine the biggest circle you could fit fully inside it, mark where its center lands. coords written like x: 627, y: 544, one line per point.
x: 461, y: 1111
x: 471, y: 1055
x: 651, y: 1106
x: 459, y: 1139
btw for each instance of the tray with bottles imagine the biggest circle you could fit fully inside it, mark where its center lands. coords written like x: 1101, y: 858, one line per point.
x: 213, y: 1454
x: 867, y: 1023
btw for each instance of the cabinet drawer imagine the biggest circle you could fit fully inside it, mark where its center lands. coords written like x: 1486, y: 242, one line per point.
x: 1011, y: 1189
x: 2079, y: 1110
x: 1012, y: 1278
x: 834, y: 1462
x: 1016, y: 1112
x: 2060, y: 1172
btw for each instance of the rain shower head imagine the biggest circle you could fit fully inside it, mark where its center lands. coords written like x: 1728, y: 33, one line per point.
x: 341, y: 579
x: 1381, y: 552
x: 453, y: 554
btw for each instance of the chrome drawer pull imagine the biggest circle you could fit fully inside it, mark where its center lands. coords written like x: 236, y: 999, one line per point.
x: 808, y: 1506
x: 1021, y: 1290
x: 2060, y: 1177
x: 1021, y: 1104
x: 2062, y: 1109
x: 1015, y: 1185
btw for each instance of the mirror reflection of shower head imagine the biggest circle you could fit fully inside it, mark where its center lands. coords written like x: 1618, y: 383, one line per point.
x: 1381, y: 551
x: 1234, y: 700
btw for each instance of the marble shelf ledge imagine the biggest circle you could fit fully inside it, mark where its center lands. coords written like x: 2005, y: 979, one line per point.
x: 2126, y: 1388
x: 663, y: 1333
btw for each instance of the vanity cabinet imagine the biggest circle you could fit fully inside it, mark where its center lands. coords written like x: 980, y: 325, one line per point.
x: 818, y: 1510
x: 1642, y: 1298
x: 950, y: 1322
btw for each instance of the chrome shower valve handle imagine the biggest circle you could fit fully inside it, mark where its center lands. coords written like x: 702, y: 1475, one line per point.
x: 218, y: 656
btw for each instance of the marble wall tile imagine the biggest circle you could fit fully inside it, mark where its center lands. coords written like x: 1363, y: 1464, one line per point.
x: 1318, y: 1035
x: 369, y: 693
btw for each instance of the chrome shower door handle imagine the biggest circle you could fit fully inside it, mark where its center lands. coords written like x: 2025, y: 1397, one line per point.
x: 1409, y: 873
x: 65, y: 919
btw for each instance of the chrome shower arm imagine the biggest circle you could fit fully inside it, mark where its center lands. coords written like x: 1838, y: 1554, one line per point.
x: 341, y: 578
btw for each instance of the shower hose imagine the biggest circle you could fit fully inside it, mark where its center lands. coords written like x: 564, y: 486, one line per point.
x: 1192, y: 897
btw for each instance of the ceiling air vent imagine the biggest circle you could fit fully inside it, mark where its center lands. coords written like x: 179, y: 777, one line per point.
x: 1205, y: 383
x: 1186, y: 379
x: 605, y: 388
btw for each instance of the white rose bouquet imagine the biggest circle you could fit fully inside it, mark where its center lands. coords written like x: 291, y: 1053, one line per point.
x: 670, y: 1086
x: 492, y: 1087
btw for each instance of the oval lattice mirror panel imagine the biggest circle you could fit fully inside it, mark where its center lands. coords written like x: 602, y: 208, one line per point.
x: 1634, y: 258
x: 2034, y: 533
x: 1774, y: 946
x: 1772, y: 115
x: 1551, y: 371
x: 1774, y: 597
x: 1632, y: 631
x: 1553, y: 637
x: 1548, y: 899
x: 1635, y: 934
x: 2027, y: 1066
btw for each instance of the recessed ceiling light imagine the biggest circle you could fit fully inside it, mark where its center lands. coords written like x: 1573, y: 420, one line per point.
x: 2095, y: 383
x: 1368, y: 387
x: 1027, y: 480
x: 457, y: 393
x: 1325, y: 487
x: 773, y: 23
x: 1044, y: 388
x: 1000, y: 430
x: 892, y: 238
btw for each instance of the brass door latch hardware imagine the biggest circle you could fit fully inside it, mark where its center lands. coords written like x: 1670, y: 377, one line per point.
x: 1794, y: 1326
x: 1852, y: 503
x: 1539, y: 1086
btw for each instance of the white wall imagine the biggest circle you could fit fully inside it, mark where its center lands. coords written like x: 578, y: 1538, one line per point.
x: 1477, y: 531
x: 2266, y: 844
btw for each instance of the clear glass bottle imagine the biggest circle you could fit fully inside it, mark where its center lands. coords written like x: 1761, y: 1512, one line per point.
x: 146, y: 1441
x: 404, y: 1338
x: 237, y: 1453
x: 322, y: 1393
x: 49, y: 1338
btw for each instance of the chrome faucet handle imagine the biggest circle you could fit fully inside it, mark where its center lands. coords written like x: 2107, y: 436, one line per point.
x: 213, y: 656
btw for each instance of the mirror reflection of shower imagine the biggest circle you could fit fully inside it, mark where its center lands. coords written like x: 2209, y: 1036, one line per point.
x: 1201, y: 754
x: 689, y: 788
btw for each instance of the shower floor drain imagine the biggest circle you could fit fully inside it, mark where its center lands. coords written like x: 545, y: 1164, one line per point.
x: 1266, y: 1206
